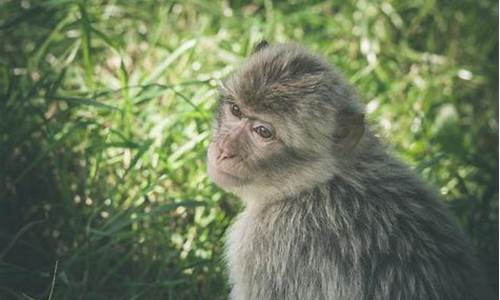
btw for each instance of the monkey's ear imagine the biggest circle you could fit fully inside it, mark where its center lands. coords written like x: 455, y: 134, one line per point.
x: 350, y: 130
x: 261, y: 45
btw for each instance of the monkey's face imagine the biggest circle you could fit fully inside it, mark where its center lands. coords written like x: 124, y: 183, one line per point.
x: 277, y: 124
x: 263, y: 152
x: 244, y: 145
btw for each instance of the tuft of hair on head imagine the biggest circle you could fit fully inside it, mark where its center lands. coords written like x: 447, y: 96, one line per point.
x: 304, y: 91
x: 261, y: 45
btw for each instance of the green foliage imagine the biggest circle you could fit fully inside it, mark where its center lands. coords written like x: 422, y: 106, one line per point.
x: 105, y: 110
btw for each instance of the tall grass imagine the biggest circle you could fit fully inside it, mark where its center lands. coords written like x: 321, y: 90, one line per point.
x: 105, y: 111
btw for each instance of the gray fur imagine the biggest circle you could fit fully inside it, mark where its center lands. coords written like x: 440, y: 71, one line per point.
x: 329, y: 214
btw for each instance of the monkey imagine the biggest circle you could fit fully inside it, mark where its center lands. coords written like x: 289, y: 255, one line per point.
x: 329, y: 212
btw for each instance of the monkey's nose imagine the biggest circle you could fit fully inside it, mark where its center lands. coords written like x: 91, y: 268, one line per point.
x: 224, y: 153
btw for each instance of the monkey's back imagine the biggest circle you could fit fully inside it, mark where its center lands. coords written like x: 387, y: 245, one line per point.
x: 383, y: 236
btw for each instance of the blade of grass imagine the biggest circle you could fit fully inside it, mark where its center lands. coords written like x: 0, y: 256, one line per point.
x: 42, y: 49
x: 49, y: 148
x: 137, y: 156
x: 187, y: 147
x: 168, y: 60
x: 17, y: 236
x: 88, y: 102
x: 123, y: 260
x: 86, y: 36
x: 160, y: 209
x: 106, y: 39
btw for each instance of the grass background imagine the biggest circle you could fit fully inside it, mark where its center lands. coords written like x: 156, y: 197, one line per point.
x: 105, y: 110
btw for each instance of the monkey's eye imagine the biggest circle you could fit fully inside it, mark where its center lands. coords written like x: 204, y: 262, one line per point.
x: 263, y: 132
x: 235, y: 110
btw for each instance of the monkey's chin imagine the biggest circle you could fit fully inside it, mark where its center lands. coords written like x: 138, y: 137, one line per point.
x: 223, y: 179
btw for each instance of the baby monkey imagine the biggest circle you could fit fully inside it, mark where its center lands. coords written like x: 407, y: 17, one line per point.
x: 329, y: 214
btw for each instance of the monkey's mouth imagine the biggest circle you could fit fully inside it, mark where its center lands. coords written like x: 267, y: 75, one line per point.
x: 223, y: 178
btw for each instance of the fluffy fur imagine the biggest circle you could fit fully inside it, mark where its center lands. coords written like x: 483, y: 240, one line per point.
x: 330, y: 215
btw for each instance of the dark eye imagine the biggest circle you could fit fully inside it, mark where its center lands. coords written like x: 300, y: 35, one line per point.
x: 263, y: 132
x: 235, y: 110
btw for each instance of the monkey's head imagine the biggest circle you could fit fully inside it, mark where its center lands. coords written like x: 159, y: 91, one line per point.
x: 286, y: 121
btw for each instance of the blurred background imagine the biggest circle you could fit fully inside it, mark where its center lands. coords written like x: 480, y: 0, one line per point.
x: 105, y: 112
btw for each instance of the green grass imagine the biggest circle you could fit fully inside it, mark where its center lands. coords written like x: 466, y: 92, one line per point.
x: 105, y: 112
